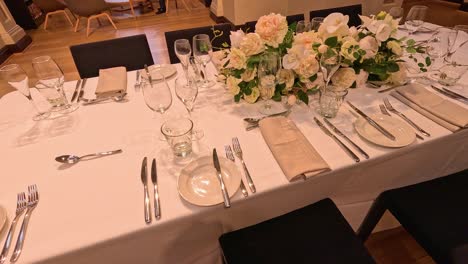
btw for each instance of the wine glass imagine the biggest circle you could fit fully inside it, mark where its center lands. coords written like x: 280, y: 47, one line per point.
x: 396, y: 12
x: 268, y: 67
x: 329, y: 64
x: 17, y: 78
x: 437, y: 47
x: 186, y: 90
x: 50, y: 84
x: 316, y: 22
x: 202, y: 51
x: 453, y: 43
x: 183, y: 51
x: 302, y: 26
x: 415, y: 18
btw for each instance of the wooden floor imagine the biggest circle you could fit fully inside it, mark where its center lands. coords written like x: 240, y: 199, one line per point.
x: 392, y: 246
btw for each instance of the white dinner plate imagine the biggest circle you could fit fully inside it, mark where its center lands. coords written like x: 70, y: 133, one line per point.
x: 198, y: 182
x: 168, y: 70
x: 3, y: 218
x: 403, y: 132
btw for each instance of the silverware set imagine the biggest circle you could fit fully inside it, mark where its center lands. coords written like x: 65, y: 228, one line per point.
x: 238, y: 151
x: 79, y: 91
x: 154, y: 180
x: 21, y: 205
x: 231, y: 157
x: 450, y: 94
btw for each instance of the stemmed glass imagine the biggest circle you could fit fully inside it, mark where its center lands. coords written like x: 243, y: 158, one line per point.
x: 186, y: 90
x: 17, y: 78
x: 302, y: 26
x: 315, y: 23
x: 329, y: 64
x: 437, y: 47
x: 453, y: 46
x: 415, y: 18
x: 268, y: 67
x: 183, y: 52
x: 50, y: 84
x: 396, y: 12
x: 202, y: 51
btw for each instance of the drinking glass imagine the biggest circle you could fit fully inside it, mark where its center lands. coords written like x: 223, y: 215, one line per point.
x: 329, y: 64
x: 451, y: 73
x: 186, y: 90
x: 415, y: 18
x: 50, y: 84
x: 396, y: 12
x: 156, y: 93
x: 202, y: 51
x: 178, y: 133
x: 17, y: 78
x: 302, y: 26
x: 315, y: 23
x: 183, y: 51
x: 330, y: 100
x: 437, y: 47
x: 268, y: 67
x: 454, y: 44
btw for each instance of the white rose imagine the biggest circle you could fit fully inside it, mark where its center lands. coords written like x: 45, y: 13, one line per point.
x: 287, y: 77
x: 272, y: 29
x: 219, y: 58
x: 334, y: 25
x: 353, y: 32
x: 292, y: 58
x: 232, y: 84
x: 361, y: 78
x: 383, y: 32
x: 370, y: 46
x: 348, y: 48
x: 249, y: 74
x: 399, y: 77
x: 252, y: 98
x: 292, y: 100
x: 237, y: 59
x: 308, y: 66
x: 252, y: 44
x: 395, y: 47
x: 236, y: 38
x: 344, y: 77
x: 307, y: 39
x: 322, y: 48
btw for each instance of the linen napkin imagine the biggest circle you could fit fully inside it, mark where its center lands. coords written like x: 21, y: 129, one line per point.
x: 440, y: 110
x: 293, y: 152
x: 111, y: 81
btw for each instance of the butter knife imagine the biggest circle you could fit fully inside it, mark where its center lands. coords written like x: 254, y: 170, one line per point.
x: 338, y: 141
x: 150, y: 79
x: 372, y: 122
x: 154, y: 179
x: 227, y: 202
x: 455, y: 94
x: 83, y: 83
x: 76, y: 92
x: 144, y: 180
x: 341, y: 134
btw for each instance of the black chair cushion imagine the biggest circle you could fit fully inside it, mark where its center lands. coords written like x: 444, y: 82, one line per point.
x: 131, y: 52
x: 317, y: 233
x: 353, y: 11
x: 434, y: 212
x: 217, y: 43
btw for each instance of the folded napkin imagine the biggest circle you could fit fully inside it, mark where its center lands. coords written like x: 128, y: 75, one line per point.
x: 440, y: 110
x: 291, y: 149
x: 111, y: 81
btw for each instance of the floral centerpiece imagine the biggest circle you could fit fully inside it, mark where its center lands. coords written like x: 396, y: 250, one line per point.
x: 371, y: 52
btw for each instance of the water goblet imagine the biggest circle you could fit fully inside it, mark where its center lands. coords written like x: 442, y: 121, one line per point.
x: 396, y: 12
x: 186, y: 90
x: 302, y: 26
x: 202, y: 51
x: 415, y: 18
x: 315, y: 23
x: 183, y: 51
x: 329, y: 64
x: 268, y: 68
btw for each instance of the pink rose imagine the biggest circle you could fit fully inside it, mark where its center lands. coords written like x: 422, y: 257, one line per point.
x: 272, y: 29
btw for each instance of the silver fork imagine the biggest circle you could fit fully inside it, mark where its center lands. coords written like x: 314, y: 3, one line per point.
x: 21, y: 205
x: 393, y: 110
x: 238, y: 151
x: 33, y: 200
x: 230, y: 156
x: 384, y: 110
x: 137, y: 81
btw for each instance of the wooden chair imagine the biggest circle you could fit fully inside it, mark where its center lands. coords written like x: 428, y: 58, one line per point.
x: 91, y: 9
x: 183, y: 2
x: 130, y: 3
x: 52, y: 7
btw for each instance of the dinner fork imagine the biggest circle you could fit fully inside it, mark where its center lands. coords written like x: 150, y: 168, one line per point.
x: 21, y: 205
x: 384, y: 110
x: 238, y: 151
x: 393, y: 110
x: 230, y: 156
x: 137, y: 81
x: 33, y: 200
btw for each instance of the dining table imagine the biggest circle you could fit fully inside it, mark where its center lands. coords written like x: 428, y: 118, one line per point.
x: 92, y: 211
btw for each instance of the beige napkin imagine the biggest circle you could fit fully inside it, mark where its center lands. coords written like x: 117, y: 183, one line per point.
x: 442, y: 111
x: 293, y: 152
x: 111, y: 81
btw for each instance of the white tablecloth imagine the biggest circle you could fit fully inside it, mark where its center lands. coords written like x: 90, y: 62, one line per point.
x: 92, y: 212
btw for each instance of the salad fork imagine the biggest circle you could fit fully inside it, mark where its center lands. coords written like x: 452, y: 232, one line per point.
x: 238, y: 151
x: 33, y: 200
x: 230, y: 156
x: 393, y: 110
x: 21, y: 205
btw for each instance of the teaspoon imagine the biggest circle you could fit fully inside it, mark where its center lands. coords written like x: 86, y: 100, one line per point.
x: 71, y: 159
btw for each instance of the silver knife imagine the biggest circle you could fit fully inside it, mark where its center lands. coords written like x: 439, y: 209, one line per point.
x: 372, y: 122
x: 154, y: 179
x: 455, y: 94
x: 75, y: 93
x: 329, y: 133
x: 83, y: 83
x: 227, y: 202
x: 341, y: 134
x: 150, y: 79
x: 144, y: 180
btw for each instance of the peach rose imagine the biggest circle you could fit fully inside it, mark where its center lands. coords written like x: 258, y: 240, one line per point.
x: 272, y: 29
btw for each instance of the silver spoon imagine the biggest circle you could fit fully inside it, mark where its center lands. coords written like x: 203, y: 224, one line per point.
x: 71, y: 159
x: 117, y: 98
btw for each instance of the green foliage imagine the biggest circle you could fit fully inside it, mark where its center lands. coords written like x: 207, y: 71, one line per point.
x: 332, y: 42
x: 253, y: 61
x: 301, y: 95
x: 237, y: 97
x: 313, y: 78
x: 287, y: 42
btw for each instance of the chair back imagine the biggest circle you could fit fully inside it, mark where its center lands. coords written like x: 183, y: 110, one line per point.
x: 225, y: 30
x: 86, y: 8
x: 49, y: 5
x: 249, y: 27
x: 131, y: 52
x: 294, y: 18
x: 353, y: 11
